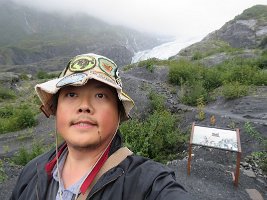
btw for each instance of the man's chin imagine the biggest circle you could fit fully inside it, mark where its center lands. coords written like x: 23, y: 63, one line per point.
x: 85, y: 147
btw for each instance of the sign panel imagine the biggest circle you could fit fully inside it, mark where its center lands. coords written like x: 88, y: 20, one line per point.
x: 216, y: 138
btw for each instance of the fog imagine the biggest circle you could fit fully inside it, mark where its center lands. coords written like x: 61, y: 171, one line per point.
x: 184, y: 19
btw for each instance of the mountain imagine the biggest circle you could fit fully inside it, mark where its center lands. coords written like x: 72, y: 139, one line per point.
x: 244, y: 35
x: 29, y: 37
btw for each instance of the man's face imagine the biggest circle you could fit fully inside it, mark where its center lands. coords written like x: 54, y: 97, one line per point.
x: 87, y: 116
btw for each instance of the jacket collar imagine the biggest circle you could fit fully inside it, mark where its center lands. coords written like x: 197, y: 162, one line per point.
x: 115, y: 145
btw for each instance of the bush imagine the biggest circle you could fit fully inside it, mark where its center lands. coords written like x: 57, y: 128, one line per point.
x: 157, y: 137
x: 194, y: 92
x: 260, y: 158
x: 6, y: 94
x: 45, y: 75
x: 148, y: 64
x: 24, y: 156
x: 184, y: 71
x: 260, y: 78
x: 16, y: 118
x: 3, y: 175
x: 234, y: 90
x: 212, y: 79
x: 197, y: 56
x: 156, y: 101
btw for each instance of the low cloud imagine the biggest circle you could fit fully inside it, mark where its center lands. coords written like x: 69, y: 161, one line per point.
x: 191, y: 18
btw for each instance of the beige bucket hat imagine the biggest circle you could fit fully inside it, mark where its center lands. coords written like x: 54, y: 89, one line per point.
x: 78, y: 71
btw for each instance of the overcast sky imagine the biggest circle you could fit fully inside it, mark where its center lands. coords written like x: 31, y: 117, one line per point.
x: 182, y: 18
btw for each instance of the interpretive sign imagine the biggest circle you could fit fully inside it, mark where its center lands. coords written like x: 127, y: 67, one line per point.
x: 214, y: 137
x: 228, y: 140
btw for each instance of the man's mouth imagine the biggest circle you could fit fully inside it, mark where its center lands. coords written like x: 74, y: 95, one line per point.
x: 83, y: 124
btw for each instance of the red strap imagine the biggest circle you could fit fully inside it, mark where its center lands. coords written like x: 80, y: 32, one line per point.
x: 94, y: 172
x: 49, y: 166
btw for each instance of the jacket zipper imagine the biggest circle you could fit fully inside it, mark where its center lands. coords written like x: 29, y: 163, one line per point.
x: 105, y: 185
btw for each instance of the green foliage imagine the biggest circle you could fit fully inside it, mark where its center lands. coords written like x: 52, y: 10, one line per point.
x: 6, y: 94
x: 24, y: 76
x: 16, y: 118
x: 262, y: 61
x: 261, y: 158
x: 201, y: 106
x: 234, y: 75
x: 3, y: 175
x: 234, y: 90
x: 197, y: 56
x: 250, y: 130
x: 212, y: 79
x: 156, y: 101
x: 23, y: 156
x: 193, y: 92
x: 149, y: 64
x: 185, y: 71
x: 156, y: 137
x: 256, y: 12
x: 243, y: 74
x: 45, y: 75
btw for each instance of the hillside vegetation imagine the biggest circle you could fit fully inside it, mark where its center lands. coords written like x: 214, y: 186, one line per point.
x: 203, y: 72
x: 30, y: 36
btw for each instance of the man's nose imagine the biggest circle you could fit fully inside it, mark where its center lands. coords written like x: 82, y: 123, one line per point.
x: 85, y: 106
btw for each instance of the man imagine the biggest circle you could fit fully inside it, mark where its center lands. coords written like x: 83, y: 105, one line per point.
x: 89, y: 104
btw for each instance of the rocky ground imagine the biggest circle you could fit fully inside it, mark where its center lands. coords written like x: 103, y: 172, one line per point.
x: 211, y: 168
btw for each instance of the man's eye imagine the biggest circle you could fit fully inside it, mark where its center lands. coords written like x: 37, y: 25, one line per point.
x: 71, y: 94
x: 100, y: 95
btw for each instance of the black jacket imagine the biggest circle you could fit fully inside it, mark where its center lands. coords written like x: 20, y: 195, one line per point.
x: 135, y: 178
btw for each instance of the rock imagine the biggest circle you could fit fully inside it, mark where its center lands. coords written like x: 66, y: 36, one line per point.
x: 249, y: 173
x: 254, y: 194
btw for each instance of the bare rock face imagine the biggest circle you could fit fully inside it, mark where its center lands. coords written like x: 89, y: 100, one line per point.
x: 245, y: 33
x: 241, y: 33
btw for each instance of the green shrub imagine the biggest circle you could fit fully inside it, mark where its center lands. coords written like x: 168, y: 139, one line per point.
x: 3, y: 175
x: 243, y: 74
x: 148, y: 64
x: 184, y: 71
x: 25, y: 118
x: 197, y: 56
x: 157, y: 137
x: 6, y: 94
x: 23, y: 156
x: 261, y: 159
x: 194, y: 92
x: 16, y: 118
x: 260, y: 78
x: 24, y: 76
x: 156, y: 101
x: 212, y: 79
x: 45, y: 75
x: 250, y: 130
x: 234, y: 90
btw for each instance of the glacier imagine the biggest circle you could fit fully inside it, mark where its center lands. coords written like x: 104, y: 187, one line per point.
x: 165, y: 50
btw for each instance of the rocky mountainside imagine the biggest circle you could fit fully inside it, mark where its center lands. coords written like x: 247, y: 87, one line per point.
x: 28, y: 37
x: 242, y: 35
